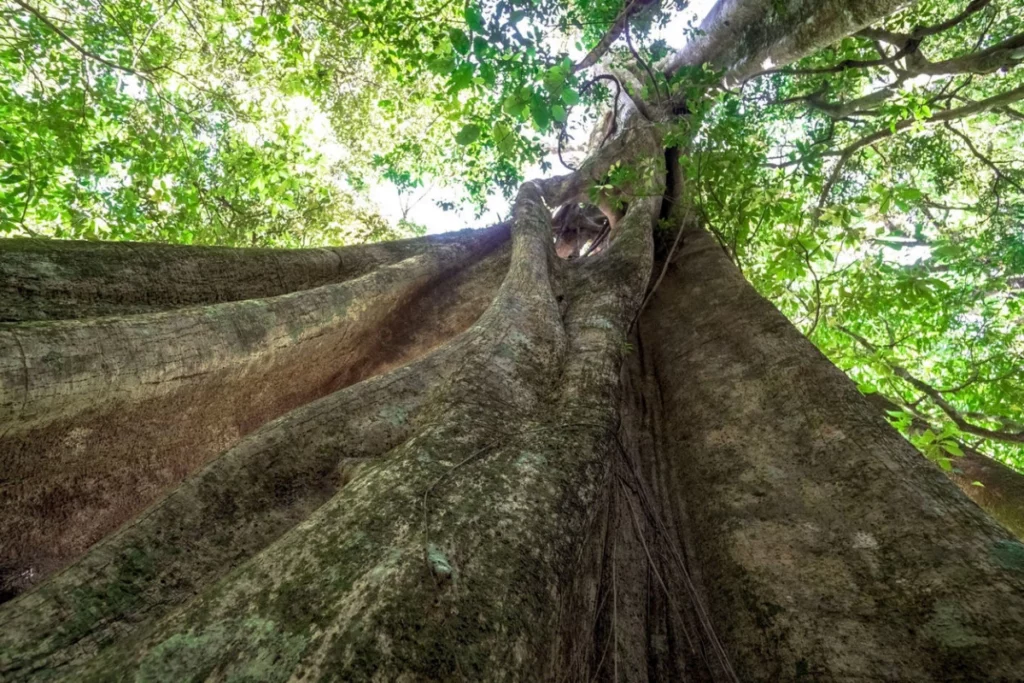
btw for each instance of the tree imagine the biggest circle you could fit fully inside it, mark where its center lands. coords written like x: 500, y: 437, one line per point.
x: 464, y: 457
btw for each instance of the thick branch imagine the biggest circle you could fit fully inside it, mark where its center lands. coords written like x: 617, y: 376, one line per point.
x: 620, y: 24
x: 745, y: 36
x: 1003, y: 55
x: 921, y: 32
x: 908, y: 48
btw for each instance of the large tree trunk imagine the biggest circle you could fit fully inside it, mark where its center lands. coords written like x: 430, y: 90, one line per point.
x: 99, y: 417
x: 468, y: 459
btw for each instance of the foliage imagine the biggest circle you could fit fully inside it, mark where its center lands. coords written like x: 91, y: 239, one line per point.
x: 181, y: 122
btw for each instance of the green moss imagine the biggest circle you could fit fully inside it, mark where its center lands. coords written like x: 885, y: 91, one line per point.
x: 394, y: 415
x: 251, y: 321
x: 529, y: 459
x: 246, y: 651
x: 134, y: 568
x: 439, y: 564
x: 948, y: 626
x: 1010, y: 554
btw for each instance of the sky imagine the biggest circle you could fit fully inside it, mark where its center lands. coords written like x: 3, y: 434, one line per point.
x: 422, y: 205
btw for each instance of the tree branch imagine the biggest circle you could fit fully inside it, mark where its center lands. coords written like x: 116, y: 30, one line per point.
x: 909, y: 47
x: 936, y: 396
x: 611, y: 35
x: 979, y: 107
x: 646, y: 67
x: 973, y: 7
x: 999, y: 56
x: 982, y: 158
x: 921, y: 32
x: 74, y: 43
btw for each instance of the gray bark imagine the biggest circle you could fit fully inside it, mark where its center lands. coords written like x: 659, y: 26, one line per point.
x: 100, y: 417
x: 743, y: 36
x: 382, y: 570
x: 997, y: 489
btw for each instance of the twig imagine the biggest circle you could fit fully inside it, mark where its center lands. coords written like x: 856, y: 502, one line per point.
x: 426, y: 507
x: 598, y: 240
x: 817, y: 289
x: 909, y: 46
x: 563, y: 134
x: 982, y: 158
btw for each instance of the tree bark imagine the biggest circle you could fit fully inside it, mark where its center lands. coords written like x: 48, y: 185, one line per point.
x: 743, y: 37
x: 537, y: 480
x: 100, y: 417
x: 444, y: 580
x: 829, y: 548
x: 60, y: 280
x: 996, y: 488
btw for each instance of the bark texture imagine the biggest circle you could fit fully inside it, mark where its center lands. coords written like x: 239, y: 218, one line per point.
x: 829, y: 548
x: 996, y: 488
x: 469, y: 460
x: 518, y: 504
x: 745, y: 36
x: 99, y: 417
x: 59, y: 280
x: 334, y: 541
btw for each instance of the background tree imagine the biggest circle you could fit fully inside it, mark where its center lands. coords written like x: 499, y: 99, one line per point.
x: 465, y: 457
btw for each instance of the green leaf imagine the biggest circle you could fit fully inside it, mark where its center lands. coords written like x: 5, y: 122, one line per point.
x: 504, y: 137
x: 540, y: 110
x: 442, y: 65
x: 570, y: 96
x: 952, y: 448
x: 474, y: 18
x: 481, y: 48
x: 460, y: 41
x: 462, y: 77
x: 558, y: 113
x: 469, y: 133
x: 554, y: 79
